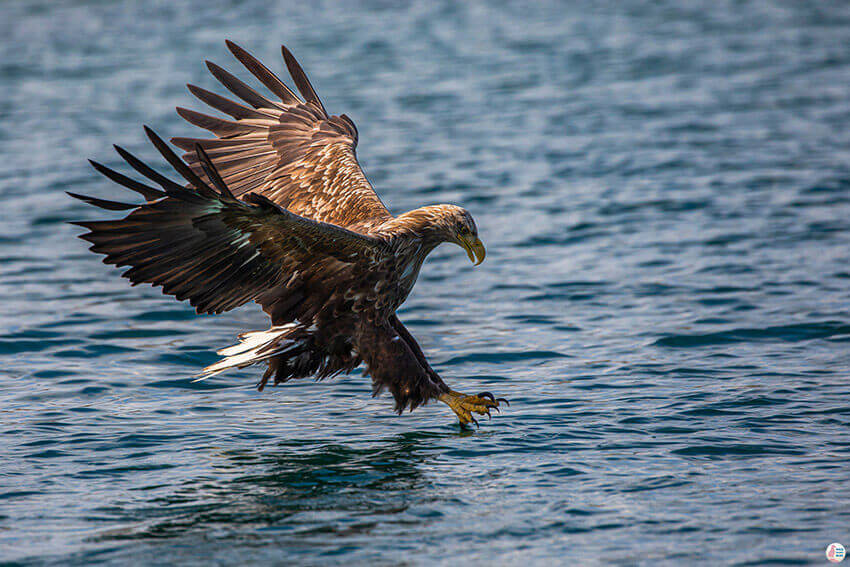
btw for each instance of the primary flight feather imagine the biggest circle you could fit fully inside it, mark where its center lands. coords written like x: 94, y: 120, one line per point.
x: 275, y: 209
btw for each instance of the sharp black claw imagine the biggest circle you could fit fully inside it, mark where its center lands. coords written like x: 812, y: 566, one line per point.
x: 475, y: 421
x: 486, y: 395
x: 503, y: 400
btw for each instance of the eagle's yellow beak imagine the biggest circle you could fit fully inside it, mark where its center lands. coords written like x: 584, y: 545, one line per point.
x: 474, y: 248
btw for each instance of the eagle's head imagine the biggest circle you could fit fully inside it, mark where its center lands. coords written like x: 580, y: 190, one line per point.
x: 444, y: 223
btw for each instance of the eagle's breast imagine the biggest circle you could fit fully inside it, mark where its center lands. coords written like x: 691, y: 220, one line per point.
x: 409, y: 255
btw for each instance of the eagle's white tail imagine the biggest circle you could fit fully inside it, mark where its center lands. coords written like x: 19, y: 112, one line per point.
x: 253, y: 347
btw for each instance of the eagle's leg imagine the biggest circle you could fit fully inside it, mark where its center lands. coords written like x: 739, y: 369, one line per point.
x: 465, y: 405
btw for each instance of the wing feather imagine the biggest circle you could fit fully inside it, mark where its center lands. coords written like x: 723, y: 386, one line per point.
x: 269, y: 79
x: 301, y: 80
x: 148, y: 193
x: 239, y: 88
x: 289, y: 150
x: 219, y: 126
x: 201, y: 244
x: 227, y: 106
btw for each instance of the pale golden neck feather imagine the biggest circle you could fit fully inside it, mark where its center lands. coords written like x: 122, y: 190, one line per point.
x: 431, y: 223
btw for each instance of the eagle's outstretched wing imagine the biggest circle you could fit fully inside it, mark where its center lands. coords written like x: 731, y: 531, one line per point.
x: 290, y: 150
x: 202, y: 244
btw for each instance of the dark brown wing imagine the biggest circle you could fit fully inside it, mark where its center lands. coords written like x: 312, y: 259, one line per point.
x: 290, y: 151
x: 202, y: 244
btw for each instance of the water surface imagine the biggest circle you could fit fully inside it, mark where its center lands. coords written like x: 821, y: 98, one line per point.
x: 664, y: 193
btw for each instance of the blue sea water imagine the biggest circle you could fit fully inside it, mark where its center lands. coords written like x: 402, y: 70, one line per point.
x: 664, y: 191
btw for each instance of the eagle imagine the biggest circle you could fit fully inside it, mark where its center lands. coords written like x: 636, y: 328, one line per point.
x: 275, y: 209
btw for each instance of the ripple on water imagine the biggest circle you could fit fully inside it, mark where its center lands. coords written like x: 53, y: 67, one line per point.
x: 788, y: 333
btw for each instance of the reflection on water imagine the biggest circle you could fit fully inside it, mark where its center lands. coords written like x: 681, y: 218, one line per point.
x: 304, y: 489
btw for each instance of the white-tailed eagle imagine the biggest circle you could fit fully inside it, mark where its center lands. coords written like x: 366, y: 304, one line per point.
x: 275, y: 209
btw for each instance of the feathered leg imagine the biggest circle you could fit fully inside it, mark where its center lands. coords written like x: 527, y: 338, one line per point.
x: 393, y: 365
x: 463, y: 405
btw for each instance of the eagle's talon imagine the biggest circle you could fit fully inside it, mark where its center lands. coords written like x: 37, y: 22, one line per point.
x: 464, y: 405
x: 486, y: 395
x: 503, y: 400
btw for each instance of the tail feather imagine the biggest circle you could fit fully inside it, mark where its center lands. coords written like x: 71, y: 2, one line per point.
x: 293, y: 350
x: 253, y: 347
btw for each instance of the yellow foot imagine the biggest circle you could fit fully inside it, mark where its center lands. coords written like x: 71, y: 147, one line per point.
x: 464, y: 406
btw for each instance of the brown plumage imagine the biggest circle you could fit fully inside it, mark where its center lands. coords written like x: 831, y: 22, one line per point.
x: 276, y: 210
